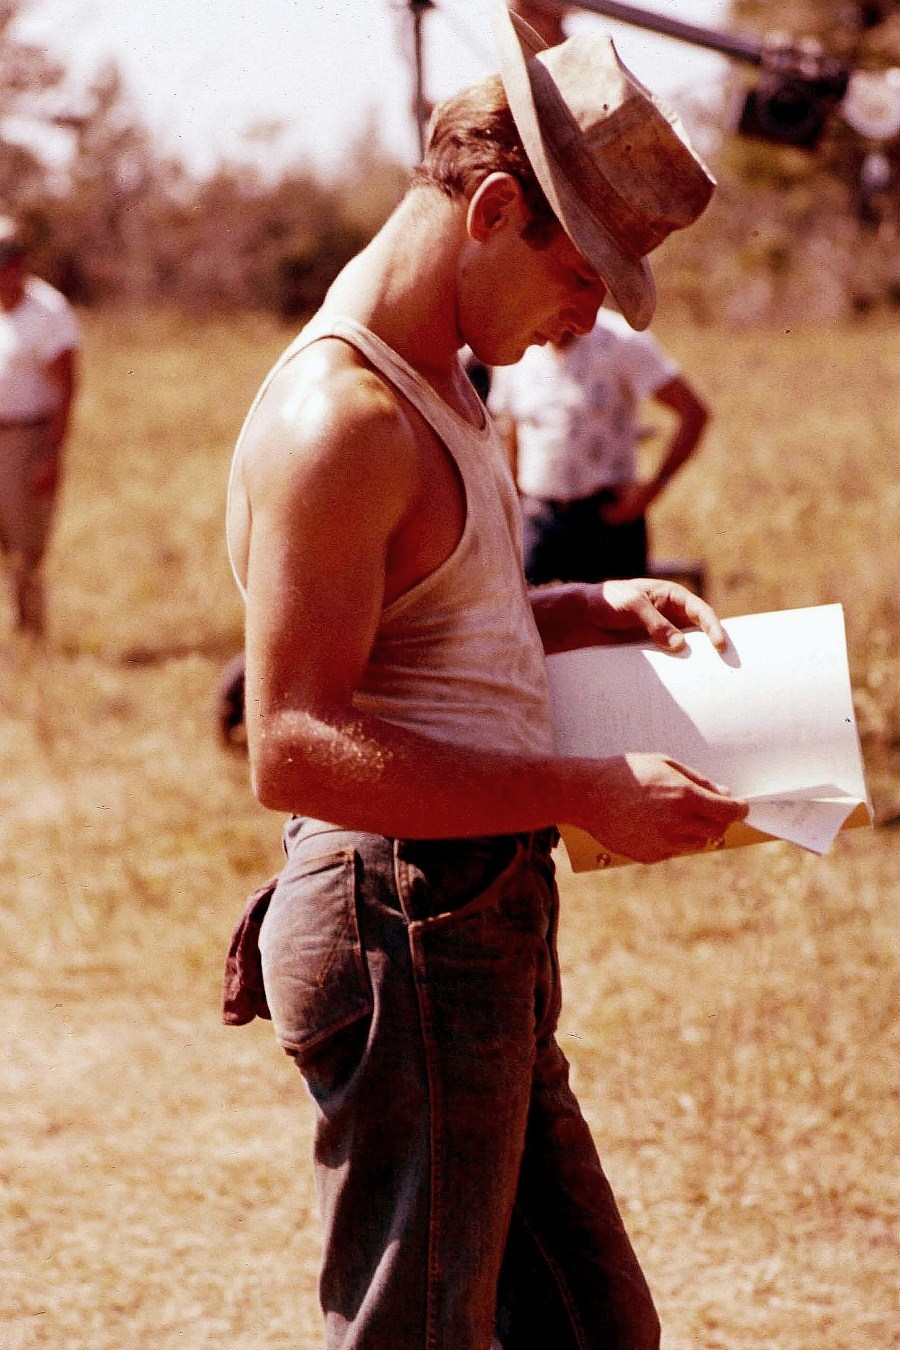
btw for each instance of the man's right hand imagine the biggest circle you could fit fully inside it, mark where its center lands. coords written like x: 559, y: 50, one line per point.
x: 648, y: 807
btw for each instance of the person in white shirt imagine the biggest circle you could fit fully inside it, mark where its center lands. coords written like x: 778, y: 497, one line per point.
x: 39, y: 343
x: 570, y: 413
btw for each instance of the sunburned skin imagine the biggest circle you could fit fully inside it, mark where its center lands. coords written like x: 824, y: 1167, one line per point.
x: 397, y: 693
x: 343, y: 499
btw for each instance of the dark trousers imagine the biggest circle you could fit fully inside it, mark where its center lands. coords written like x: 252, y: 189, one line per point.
x: 416, y: 984
x: 569, y: 541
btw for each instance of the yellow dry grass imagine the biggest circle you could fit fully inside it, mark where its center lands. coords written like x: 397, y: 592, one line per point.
x: 732, y: 1020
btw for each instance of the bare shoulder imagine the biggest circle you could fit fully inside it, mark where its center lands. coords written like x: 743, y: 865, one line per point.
x: 328, y: 423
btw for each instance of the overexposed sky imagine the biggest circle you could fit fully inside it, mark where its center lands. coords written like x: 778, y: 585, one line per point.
x: 201, y: 72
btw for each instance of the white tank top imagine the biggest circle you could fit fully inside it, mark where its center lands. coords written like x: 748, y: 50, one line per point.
x: 458, y: 656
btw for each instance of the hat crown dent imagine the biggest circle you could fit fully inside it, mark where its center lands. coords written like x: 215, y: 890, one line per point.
x: 573, y: 67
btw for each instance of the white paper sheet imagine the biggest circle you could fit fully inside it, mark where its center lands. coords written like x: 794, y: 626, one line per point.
x: 772, y: 719
x: 811, y: 818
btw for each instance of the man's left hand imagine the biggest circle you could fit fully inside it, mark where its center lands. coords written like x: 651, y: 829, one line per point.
x: 660, y: 609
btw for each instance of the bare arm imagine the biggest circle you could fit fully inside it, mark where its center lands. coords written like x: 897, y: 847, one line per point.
x: 329, y: 492
x: 691, y: 416
x: 63, y: 374
x: 581, y: 615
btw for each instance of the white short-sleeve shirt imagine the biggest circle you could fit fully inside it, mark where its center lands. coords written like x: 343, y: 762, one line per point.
x: 575, y: 408
x: 40, y: 328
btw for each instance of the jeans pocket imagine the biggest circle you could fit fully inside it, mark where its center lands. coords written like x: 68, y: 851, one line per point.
x: 442, y: 877
x: 314, y: 971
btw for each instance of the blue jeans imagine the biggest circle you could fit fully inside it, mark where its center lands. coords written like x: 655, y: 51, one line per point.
x: 570, y: 541
x: 416, y: 984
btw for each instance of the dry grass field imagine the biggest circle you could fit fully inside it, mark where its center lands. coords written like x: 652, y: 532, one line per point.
x: 732, y: 1020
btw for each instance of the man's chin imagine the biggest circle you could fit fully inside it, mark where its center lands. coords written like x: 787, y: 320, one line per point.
x: 512, y: 354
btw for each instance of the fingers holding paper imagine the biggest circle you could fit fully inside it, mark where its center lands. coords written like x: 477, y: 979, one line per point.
x: 660, y: 609
x: 648, y: 807
x: 570, y: 615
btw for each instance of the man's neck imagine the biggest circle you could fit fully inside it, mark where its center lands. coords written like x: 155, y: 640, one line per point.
x: 403, y: 286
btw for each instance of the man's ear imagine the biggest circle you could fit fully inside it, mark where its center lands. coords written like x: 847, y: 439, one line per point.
x: 496, y: 203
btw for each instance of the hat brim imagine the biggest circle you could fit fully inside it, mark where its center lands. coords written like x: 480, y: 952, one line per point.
x: 630, y: 281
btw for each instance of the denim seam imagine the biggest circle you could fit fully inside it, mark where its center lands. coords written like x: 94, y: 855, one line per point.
x: 473, y: 909
x: 319, y: 862
x: 359, y: 954
x: 435, y: 1180
x: 346, y: 859
x: 401, y: 879
x: 550, y: 1020
x: 487, y: 899
x: 417, y: 957
x: 349, y: 929
x: 303, y: 1048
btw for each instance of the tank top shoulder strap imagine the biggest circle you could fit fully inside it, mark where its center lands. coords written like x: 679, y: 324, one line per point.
x: 465, y: 441
x: 446, y: 421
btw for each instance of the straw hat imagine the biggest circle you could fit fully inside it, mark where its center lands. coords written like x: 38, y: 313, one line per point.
x: 616, y: 166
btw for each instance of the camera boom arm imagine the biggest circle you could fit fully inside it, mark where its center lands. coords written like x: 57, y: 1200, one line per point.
x: 800, y: 82
x: 749, y: 50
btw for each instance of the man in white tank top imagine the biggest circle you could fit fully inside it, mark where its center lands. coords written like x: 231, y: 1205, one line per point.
x: 397, y: 708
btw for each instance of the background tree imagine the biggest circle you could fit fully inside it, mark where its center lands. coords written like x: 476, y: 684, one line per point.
x: 29, y: 83
x: 114, y: 219
x: 790, y: 233
x: 101, y: 226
